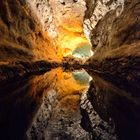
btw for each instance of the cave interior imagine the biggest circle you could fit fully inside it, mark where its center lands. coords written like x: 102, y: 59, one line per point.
x: 69, y: 70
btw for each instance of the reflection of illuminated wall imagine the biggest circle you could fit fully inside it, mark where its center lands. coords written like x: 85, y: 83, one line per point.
x: 63, y: 83
x: 81, y: 77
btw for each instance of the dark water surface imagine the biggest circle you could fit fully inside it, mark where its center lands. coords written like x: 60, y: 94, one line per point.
x: 66, y: 105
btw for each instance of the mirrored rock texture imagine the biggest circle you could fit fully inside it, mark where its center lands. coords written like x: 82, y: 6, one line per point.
x: 69, y: 69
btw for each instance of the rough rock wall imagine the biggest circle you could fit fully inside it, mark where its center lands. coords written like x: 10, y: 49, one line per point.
x: 56, y: 14
x: 97, y: 9
x: 115, y: 38
x: 43, y: 11
x: 116, y: 34
x: 21, y: 37
x: 63, y: 20
x: 68, y: 14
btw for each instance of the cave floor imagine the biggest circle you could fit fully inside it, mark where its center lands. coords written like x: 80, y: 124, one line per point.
x: 67, y: 105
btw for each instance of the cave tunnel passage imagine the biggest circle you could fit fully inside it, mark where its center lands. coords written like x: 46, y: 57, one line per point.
x: 74, y: 45
x: 44, y: 96
x: 82, y: 52
x: 64, y: 23
x: 82, y: 77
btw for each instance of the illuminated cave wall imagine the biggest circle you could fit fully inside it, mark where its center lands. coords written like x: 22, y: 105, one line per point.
x: 63, y: 22
x: 113, y: 27
x: 33, y: 30
x: 21, y: 35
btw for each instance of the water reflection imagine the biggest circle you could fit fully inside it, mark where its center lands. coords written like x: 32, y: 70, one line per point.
x: 62, y: 92
x: 60, y: 105
x: 54, y: 95
x: 115, y: 106
x: 82, y: 77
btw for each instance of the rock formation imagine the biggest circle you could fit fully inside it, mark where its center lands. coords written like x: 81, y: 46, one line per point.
x: 115, y: 41
x: 38, y: 35
x: 116, y: 34
x: 113, y: 28
x: 22, y: 37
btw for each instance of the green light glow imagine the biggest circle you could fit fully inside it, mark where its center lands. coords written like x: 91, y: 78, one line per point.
x: 82, y: 51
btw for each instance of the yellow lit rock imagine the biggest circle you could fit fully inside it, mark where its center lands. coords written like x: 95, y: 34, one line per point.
x: 68, y: 41
x: 62, y: 82
x: 68, y: 18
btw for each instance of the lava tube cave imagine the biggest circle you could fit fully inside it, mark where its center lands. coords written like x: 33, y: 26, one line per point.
x: 69, y: 70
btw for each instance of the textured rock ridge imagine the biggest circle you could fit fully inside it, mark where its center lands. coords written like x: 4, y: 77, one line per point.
x: 115, y: 41
x: 114, y: 31
x: 63, y: 21
x: 21, y: 35
x: 120, y: 36
x: 97, y: 9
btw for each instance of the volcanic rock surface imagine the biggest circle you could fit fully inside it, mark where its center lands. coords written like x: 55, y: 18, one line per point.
x: 115, y: 41
x: 37, y: 35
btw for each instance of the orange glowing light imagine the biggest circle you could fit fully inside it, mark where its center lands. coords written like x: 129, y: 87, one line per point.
x: 68, y: 41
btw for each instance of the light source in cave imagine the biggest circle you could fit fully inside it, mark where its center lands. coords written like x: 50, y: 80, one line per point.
x: 81, y: 77
x: 83, y: 51
x: 72, y: 44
